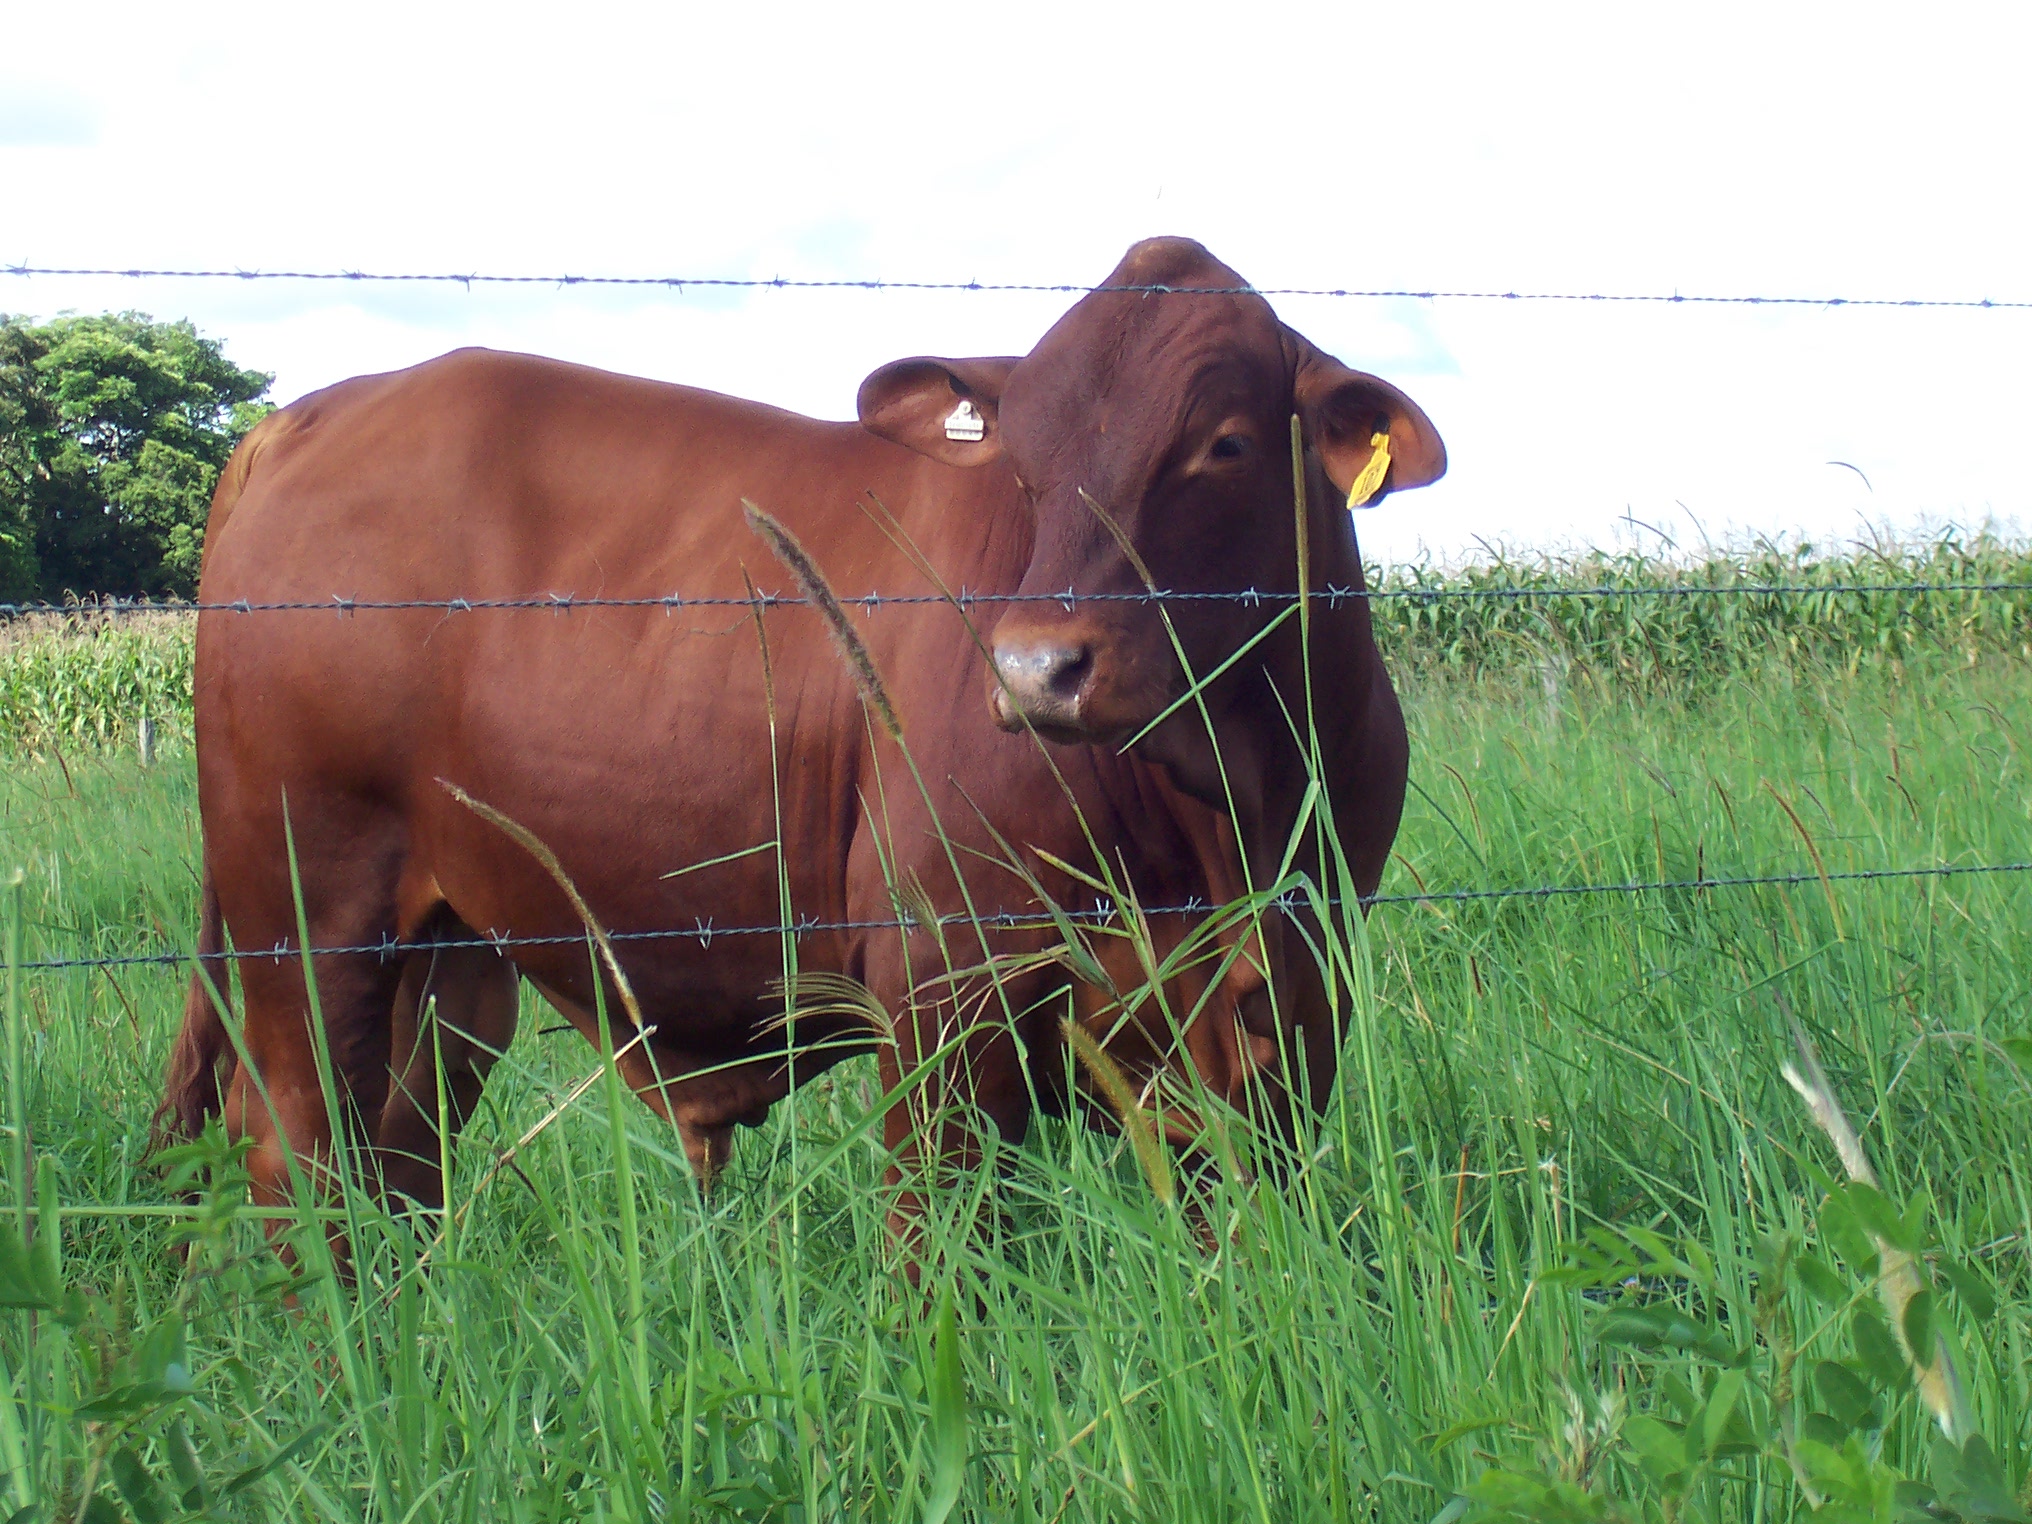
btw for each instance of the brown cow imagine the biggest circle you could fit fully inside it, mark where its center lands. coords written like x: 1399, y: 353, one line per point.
x: 711, y: 768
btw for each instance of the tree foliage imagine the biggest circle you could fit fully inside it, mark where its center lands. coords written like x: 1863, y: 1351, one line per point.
x: 113, y: 430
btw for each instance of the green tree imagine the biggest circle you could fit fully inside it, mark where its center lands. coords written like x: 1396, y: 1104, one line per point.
x: 113, y: 430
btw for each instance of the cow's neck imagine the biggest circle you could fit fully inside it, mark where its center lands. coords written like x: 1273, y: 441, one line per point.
x: 1355, y: 723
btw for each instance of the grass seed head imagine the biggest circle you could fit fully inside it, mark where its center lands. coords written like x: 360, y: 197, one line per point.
x: 819, y: 594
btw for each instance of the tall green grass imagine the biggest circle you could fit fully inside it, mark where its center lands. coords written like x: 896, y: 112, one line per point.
x: 1398, y: 1328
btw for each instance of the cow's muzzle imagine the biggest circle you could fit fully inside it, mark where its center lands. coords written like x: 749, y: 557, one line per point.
x: 1043, y: 682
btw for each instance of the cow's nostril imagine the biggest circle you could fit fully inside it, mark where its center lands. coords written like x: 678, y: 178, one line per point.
x: 1068, y: 671
x: 1045, y: 676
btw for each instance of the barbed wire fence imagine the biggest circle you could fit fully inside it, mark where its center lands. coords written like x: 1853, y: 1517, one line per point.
x: 682, y: 283
x: 703, y: 931
x: 1333, y: 597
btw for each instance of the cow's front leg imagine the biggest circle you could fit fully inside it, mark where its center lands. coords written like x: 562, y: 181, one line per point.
x: 958, y: 1071
x: 704, y: 1096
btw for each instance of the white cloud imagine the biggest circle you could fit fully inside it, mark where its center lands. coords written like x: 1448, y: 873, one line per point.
x: 1803, y: 149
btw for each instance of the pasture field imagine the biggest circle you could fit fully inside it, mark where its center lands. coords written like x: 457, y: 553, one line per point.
x: 1410, y: 1322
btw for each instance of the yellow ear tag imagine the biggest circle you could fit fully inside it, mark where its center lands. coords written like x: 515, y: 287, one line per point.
x: 1370, y: 479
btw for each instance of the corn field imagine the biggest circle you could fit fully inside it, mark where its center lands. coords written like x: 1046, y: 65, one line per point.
x: 1718, y: 625
x: 85, y: 681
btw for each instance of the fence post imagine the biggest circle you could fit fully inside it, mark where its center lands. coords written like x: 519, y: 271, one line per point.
x: 28, y: 1489
x: 144, y: 741
x: 17, y: 1089
x: 1552, y: 669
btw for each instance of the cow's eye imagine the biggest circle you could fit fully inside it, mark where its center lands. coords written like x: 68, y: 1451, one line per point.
x: 1230, y: 447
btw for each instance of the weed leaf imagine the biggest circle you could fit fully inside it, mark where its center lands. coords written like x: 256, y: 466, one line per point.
x: 1721, y: 1407
x: 948, y: 1416
x: 2019, y: 1051
x: 1880, y: 1218
x: 1877, y: 1350
x: 1847, y: 1397
x: 1917, y: 1326
x: 138, y: 1486
x: 1974, y: 1291
x: 1821, y: 1283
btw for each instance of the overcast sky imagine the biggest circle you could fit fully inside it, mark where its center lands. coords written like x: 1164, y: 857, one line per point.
x: 1850, y: 150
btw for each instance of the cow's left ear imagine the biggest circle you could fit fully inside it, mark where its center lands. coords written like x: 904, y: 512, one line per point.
x: 946, y: 409
x: 1344, y: 410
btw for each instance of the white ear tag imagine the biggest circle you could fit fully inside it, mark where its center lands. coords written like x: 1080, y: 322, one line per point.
x: 965, y: 423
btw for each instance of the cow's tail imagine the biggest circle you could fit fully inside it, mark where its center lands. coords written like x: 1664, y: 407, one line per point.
x: 192, y: 1092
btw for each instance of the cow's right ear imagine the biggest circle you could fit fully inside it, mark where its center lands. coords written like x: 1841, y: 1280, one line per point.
x: 946, y: 409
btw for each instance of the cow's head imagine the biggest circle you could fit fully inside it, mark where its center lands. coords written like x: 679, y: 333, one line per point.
x: 1152, y: 428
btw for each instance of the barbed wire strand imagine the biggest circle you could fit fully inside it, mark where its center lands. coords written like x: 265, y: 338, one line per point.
x: 704, y: 932
x: 562, y: 603
x: 680, y: 283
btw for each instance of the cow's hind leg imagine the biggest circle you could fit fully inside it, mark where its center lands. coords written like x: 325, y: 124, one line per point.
x: 280, y: 1104
x: 348, y: 862
x: 455, y: 1007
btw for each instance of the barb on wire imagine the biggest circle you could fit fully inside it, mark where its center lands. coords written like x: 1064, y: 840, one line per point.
x: 681, y: 283
x: 704, y: 931
x: 1332, y: 596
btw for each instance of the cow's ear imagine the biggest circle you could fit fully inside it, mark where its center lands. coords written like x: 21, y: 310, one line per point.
x: 946, y: 409
x: 1344, y: 410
